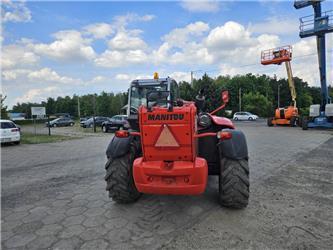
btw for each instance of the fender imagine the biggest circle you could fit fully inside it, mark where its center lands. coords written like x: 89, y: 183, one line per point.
x: 222, y: 121
x: 118, y: 147
x: 234, y: 148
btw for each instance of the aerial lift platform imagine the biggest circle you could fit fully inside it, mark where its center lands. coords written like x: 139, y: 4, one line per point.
x: 287, y: 115
x: 321, y: 115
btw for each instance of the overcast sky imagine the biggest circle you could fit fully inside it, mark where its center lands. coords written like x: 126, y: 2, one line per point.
x: 52, y: 49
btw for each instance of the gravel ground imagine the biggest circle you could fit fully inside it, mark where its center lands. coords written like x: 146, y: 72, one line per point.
x: 53, y: 196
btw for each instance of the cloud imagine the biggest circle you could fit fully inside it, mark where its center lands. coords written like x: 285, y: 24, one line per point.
x: 179, y: 36
x: 228, y: 35
x: 15, y: 11
x: 13, y: 74
x: 99, y: 30
x: 123, y: 20
x: 276, y: 25
x: 200, y: 5
x: 68, y: 46
x: 39, y: 94
x: 18, y: 55
x: 50, y: 76
x: 123, y: 77
x: 196, y: 44
x: 97, y: 79
x: 181, y: 76
x: 125, y: 41
x: 114, y: 58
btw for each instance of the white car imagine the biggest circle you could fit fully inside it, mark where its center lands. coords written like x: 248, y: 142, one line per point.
x: 9, y: 132
x: 245, y: 116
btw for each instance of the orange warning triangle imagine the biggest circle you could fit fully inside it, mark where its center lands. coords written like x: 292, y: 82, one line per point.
x: 166, y: 138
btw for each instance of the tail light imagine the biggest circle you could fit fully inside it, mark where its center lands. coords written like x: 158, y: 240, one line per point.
x: 14, y: 130
x: 224, y: 135
x: 122, y: 133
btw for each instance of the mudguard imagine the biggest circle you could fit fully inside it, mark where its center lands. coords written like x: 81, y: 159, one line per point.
x: 234, y: 148
x: 222, y: 121
x: 118, y: 147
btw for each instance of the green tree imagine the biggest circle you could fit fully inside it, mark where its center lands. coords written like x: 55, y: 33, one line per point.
x: 4, y: 114
x: 257, y: 103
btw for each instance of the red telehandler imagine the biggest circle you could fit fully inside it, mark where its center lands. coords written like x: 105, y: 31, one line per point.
x: 172, y: 147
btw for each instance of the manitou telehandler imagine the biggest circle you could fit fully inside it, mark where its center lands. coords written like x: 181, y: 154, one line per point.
x: 172, y: 146
x: 287, y: 115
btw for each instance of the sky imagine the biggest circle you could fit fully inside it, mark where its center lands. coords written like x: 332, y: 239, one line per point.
x: 51, y: 49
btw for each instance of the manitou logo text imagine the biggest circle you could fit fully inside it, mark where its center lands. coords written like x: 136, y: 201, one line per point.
x: 165, y: 117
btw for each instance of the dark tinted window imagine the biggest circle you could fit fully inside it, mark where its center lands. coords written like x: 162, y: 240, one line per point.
x: 7, y: 125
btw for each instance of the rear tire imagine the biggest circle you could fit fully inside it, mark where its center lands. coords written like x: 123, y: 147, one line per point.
x: 119, y: 177
x: 104, y: 129
x: 234, y: 183
x: 71, y: 124
x: 270, y: 122
x: 305, y: 123
x: 293, y: 121
x: 250, y: 119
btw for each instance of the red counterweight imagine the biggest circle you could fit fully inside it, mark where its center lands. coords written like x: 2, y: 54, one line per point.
x: 169, y: 164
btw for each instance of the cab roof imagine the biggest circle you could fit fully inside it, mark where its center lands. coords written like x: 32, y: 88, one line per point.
x: 158, y: 81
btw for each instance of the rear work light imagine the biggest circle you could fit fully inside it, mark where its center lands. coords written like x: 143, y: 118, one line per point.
x: 122, y: 133
x: 166, y: 138
x: 223, y: 135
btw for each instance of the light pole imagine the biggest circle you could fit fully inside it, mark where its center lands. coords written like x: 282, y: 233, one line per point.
x: 278, y: 95
x: 240, y: 99
x: 78, y: 107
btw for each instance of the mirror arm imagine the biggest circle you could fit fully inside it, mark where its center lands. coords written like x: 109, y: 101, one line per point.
x: 218, y: 109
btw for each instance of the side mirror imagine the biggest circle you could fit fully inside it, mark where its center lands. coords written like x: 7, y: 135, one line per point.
x: 225, y: 96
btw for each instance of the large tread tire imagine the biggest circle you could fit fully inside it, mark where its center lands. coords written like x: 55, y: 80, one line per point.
x: 293, y: 121
x: 119, y: 177
x: 234, y: 183
x: 305, y: 123
x: 270, y: 122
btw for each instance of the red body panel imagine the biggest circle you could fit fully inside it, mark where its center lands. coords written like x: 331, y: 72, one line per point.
x: 181, y: 123
x: 222, y: 121
x: 169, y: 169
x: 177, y: 178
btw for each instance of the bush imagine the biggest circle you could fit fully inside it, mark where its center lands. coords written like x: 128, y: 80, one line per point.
x: 29, y: 122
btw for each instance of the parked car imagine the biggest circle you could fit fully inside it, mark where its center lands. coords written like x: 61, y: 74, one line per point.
x: 9, y: 132
x: 245, y: 116
x: 83, y: 119
x: 115, y: 123
x: 61, y: 122
x: 90, y: 122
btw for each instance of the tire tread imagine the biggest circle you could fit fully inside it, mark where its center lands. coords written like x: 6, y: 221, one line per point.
x: 234, y: 183
x: 119, y: 177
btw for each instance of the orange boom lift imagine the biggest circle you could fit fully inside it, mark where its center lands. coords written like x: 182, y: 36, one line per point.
x: 287, y: 115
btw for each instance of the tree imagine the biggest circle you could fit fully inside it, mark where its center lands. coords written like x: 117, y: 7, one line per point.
x: 257, y: 103
x: 4, y: 114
